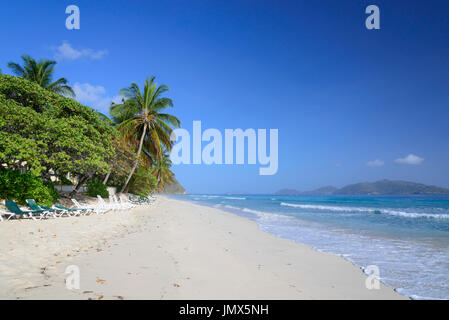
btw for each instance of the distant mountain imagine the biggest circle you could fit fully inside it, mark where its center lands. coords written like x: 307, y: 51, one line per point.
x: 288, y: 192
x: 174, y: 188
x: 381, y: 187
x: 323, y: 190
x: 391, y: 187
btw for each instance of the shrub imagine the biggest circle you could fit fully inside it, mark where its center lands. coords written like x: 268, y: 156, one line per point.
x: 18, y: 186
x: 96, y: 187
x: 142, y: 182
x: 53, y: 192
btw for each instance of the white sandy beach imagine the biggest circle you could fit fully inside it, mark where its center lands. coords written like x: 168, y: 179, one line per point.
x: 170, y: 250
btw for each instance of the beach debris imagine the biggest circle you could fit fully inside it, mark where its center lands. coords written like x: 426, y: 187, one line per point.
x: 100, y: 281
x: 100, y: 297
x: 29, y: 288
x: 119, y: 297
x: 176, y: 285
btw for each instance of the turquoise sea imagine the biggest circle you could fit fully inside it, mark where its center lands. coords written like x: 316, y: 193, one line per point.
x: 407, y: 237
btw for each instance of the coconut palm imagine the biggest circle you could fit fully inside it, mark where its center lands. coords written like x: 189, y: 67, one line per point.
x: 41, y: 72
x: 141, y: 122
x: 161, y: 170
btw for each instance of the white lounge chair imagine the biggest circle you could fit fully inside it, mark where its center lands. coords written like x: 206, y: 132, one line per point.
x: 97, y: 209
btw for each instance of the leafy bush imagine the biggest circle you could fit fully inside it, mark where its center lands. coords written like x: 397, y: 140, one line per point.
x: 96, y: 187
x: 142, y: 182
x: 18, y: 186
x: 53, y: 192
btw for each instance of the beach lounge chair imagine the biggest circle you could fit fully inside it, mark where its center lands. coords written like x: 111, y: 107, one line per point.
x: 124, y: 204
x: 120, y: 204
x: 137, y: 201
x: 15, y: 211
x: 112, y: 203
x: 58, y: 211
x: 75, y: 211
x: 47, y: 211
x: 97, y: 209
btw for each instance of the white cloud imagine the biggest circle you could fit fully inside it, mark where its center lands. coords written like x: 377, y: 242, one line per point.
x: 94, y: 96
x: 66, y: 52
x: 375, y: 163
x: 410, y: 159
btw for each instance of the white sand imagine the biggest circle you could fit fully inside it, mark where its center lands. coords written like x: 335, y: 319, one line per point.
x: 170, y: 250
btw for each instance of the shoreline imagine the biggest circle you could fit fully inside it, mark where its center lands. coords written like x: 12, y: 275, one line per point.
x: 235, y: 212
x: 175, y: 249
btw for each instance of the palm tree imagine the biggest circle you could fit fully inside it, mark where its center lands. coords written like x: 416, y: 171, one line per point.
x: 161, y: 170
x: 141, y: 122
x: 41, y: 72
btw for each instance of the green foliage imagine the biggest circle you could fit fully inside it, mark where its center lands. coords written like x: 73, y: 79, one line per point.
x: 96, y: 187
x: 48, y: 132
x: 41, y: 72
x: 141, y: 121
x: 142, y: 182
x: 63, y: 181
x: 53, y: 192
x: 21, y: 186
x: 161, y: 170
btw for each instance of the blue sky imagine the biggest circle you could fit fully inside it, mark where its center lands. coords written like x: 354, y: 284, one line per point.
x: 341, y: 96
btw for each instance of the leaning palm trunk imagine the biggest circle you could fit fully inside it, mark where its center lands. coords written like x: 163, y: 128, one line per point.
x: 137, y: 158
x: 107, y: 177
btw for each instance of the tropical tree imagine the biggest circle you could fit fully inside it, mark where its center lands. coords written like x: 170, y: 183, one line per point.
x: 161, y: 171
x: 142, y: 183
x: 51, y: 135
x: 141, y: 120
x: 41, y: 72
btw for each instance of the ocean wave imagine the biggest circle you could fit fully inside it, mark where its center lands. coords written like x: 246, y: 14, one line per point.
x: 260, y: 214
x: 232, y: 207
x: 235, y: 198
x: 222, y: 197
x: 370, y: 210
